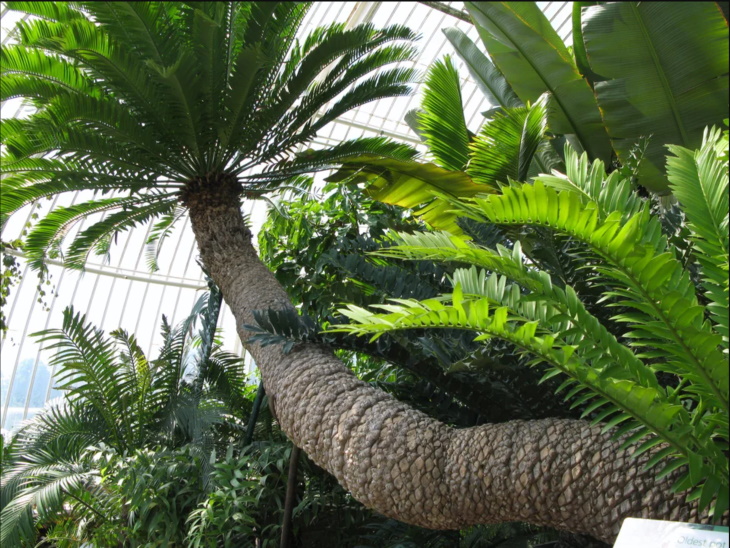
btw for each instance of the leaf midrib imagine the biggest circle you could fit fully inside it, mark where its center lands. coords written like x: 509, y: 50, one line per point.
x: 660, y: 73
x: 572, y: 123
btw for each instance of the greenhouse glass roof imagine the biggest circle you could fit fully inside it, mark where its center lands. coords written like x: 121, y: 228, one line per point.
x: 121, y: 291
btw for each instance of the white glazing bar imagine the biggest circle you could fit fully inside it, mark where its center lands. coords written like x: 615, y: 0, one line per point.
x: 36, y: 363
x: 26, y: 271
x: 23, y: 338
x: 116, y: 272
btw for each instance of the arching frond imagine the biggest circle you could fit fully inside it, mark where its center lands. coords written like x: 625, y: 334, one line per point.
x: 699, y: 180
x: 96, y: 236
x: 159, y: 233
x: 410, y: 184
x: 51, y: 229
x: 85, y: 361
x: 647, y: 278
x: 311, y: 159
x: 44, y: 492
x: 588, y: 179
x: 491, y: 82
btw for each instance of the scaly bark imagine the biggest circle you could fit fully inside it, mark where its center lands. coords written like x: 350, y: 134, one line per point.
x: 398, y: 461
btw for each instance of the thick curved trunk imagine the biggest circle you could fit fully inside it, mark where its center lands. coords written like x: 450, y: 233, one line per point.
x: 398, y: 461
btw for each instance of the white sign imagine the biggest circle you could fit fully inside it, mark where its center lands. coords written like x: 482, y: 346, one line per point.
x: 649, y: 533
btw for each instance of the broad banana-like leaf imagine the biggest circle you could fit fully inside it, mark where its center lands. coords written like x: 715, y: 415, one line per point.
x: 533, y: 59
x: 579, y: 49
x: 666, y: 66
x: 411, y: 185
x: 441, y: 120
x: 491, y: 82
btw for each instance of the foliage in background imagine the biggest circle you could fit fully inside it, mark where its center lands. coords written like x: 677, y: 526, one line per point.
x: 661, y: 380
x: 10, y: 276
x: 153, y: 469
x: 624, y: 79
x: 115, y: 397
x: 316, y: 250
x: 543, y: 94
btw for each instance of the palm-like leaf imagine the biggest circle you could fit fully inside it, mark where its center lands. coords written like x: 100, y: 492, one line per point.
x: 442, y: 120
x: 506, y: 146
x: 627, y: 251
x: 699, y: 180
x: 491, y: 82
x: 410, y: 184
x: 47, y: 478
x: 115, y: 397
x: 152, y: 98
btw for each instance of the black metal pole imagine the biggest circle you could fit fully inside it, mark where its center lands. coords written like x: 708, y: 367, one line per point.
x: 254, y: 414
x: 291, y: 486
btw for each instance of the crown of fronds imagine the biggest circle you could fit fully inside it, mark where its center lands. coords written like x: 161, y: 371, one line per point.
x: 140, y: 99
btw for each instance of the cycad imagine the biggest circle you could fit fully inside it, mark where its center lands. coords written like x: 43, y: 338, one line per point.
x: 159, y: 101
x: 669, y: 331
x: 145, y: 119
x: 116, y: 398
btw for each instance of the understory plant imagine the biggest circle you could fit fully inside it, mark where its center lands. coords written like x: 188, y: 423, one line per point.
x: 69, y: 472
x: 655, y: 373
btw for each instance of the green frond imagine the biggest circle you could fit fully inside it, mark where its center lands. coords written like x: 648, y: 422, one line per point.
x: 603, y: 384
x: 506, y: 145
x: 160, y: 231
x: 645, y: 277
x: 586, y: 332
x: 85, y: 361
x: 490, y: 80
x: 270, y: 22
x: 63, y: 429
x: 28, y: 72
x: 50, y: 231
x: 59, y: 12
x: 647, y: 406
x: 46, y: 495
x: 89, y: 239
x: 134, y: 362
x: 588, y: 179
x: 699, y: 180
x: 537, y: 62
x: 284, y: 125
x: 651, y: 87
x: 315, y: 160
x: 239, y: 101
x: 41, y: 135
x: 335, y: 42
x: 441, y: 120
x: 386, y: 83
x: 45, y: 184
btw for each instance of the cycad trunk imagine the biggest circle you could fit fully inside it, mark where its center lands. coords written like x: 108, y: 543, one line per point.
x: 398, y: 461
